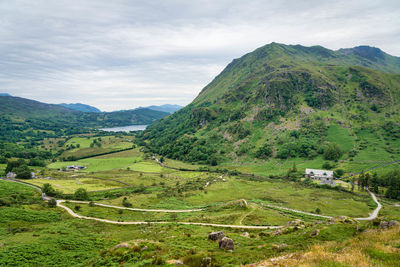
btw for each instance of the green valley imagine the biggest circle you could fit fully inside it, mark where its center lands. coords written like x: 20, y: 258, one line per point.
x: 243, y: 159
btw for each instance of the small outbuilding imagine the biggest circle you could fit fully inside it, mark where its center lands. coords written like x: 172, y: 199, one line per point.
x: 11, y: 175
x: 325, y: 176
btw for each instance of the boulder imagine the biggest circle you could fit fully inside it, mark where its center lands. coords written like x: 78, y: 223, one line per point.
x: 176, y: 262
x: 123, y: 245
x: 341, y: 219
x: 216, y: 235
x: 297, y: 224
x: 226, y: 243
x: 314, y: 233
x: 280, y: 247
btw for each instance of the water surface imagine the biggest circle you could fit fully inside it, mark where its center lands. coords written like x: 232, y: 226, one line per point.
x: 129, y: 128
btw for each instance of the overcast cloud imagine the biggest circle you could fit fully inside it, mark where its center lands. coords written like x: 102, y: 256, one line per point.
x: 124, y: 54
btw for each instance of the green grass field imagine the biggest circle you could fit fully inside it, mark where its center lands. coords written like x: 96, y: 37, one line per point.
x: 2, y: 168
x: 112, y: 161
x: 37, y: 235
x: 275, y: 192
x: 85, y: 149
x: 69, y: 186
x: 340, y: 136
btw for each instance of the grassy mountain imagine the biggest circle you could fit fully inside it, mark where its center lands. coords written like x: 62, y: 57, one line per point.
x: 80, y: 107
x: 166, y: 108
x: 24, y: 118
x: 289, y: 101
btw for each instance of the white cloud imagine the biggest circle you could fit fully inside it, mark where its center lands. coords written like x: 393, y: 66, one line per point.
x: 124, y: 54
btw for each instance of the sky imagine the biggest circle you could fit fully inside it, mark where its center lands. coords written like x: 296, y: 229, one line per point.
x: 123, y: 54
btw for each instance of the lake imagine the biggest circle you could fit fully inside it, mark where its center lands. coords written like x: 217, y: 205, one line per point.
x: 129, y: 128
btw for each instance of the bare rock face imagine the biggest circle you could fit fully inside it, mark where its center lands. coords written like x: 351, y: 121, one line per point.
x: 216, y: 235
x: 226, y: 244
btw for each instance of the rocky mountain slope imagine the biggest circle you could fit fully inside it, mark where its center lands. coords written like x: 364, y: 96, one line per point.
x: 281, y: 101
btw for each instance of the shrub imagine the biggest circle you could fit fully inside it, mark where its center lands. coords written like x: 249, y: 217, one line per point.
x: 52, y: 203
x: 48, y: 190
x: 81, y: 194
x: 264, y: 151
x: 126, y: 203
x: 332, y: 151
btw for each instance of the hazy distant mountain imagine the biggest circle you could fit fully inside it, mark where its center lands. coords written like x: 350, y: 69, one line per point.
x: 4, y: 94
x: 165, y: 108
x: 22, y: 118
x: 80, y: 107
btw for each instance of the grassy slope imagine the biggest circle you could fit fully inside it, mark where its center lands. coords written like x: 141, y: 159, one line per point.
x: 227, y: 121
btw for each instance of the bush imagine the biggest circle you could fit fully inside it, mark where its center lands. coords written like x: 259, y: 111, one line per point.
x: 52, y: 203
x: 126, y: 203
x: 332, y: 151
x: 327, y: 165
x: 81, y: 194
x: 339, y: 173
x: 264, y: 151
x: 48, y: 190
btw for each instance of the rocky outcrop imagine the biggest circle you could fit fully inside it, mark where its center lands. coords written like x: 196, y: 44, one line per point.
x: 280, y: 247
x: 388, y: 224
x: 216, y: 235
x: 123, y: 245
x: 296, y: 224
x: 341, y: 219
x: 226, y: 244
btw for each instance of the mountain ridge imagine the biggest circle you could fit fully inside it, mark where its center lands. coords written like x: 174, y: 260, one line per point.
x: 239, y: 111
x: 21, y: 115
x: 80, y: 107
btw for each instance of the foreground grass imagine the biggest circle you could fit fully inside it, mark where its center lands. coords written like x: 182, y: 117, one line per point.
x: 371, y: 248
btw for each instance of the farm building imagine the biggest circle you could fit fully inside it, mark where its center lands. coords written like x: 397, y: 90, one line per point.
x: 75, y: 167
x: 11, y: 175
x: 325, y: 176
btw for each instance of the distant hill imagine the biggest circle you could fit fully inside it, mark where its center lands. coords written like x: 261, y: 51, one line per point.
x: 80, y: 107
x: 166, y: 108
x: 4, y: 94
x: 285, y: 101
x: 22, y: 118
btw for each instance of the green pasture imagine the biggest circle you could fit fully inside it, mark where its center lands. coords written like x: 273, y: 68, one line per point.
x: 108, y: 144
x: 275, y: 192
x: 278, y: 167
x: 69, y: 186
x: 112, y: 161
x: 340, y: 136
x: 253, y: 215
x: 2, y: 168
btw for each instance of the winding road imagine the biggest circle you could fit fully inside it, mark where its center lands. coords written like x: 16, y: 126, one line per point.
x: 373, y: 215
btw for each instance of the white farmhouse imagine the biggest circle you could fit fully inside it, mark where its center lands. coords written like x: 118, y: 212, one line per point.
x: 325, y: 176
